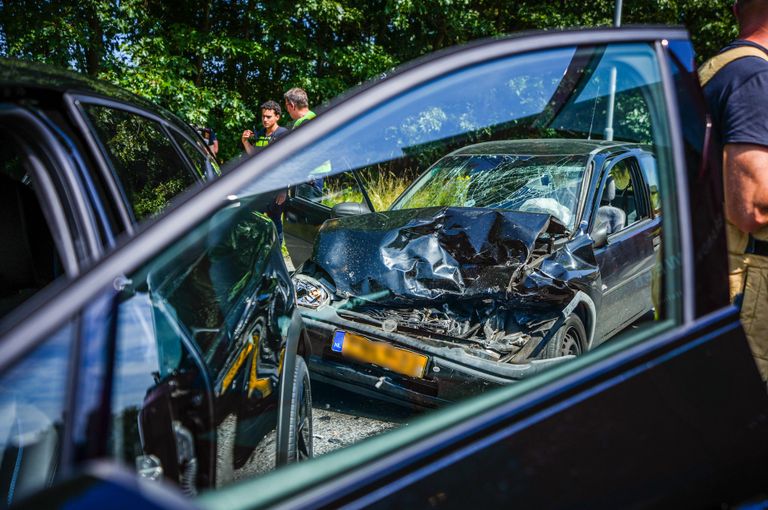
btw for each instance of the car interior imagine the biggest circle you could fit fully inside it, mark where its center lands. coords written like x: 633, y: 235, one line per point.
x: 28, y: 257
x: 607, y: 214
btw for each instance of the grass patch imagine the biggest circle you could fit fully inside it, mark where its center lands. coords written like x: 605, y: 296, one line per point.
x: 383, y: 187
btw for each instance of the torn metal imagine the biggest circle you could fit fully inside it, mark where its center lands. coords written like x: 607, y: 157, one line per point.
x: 483, y: 279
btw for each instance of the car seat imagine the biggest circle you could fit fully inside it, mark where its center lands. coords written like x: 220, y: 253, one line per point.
x: 608, y: 214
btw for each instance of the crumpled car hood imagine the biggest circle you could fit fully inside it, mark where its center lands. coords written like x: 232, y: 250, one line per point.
x: 430, y: 253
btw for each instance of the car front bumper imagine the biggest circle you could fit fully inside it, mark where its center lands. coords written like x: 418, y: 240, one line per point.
x: 452, y: 372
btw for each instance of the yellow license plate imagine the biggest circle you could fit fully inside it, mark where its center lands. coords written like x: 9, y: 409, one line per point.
x: 379, y: 353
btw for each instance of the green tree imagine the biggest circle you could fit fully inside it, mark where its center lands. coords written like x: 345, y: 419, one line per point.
x: 213, y: 62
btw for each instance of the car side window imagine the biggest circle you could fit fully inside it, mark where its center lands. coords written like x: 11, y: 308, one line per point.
x: 201, y: 325
x: 480, y: 262
x: 331, y: 191
x: 146, y: 164
x: 621, y: 204
x: 29, y: 259
x: 32, y: 407
x: 442, y: 297
x: 203, y: 163
x: 651, y: 176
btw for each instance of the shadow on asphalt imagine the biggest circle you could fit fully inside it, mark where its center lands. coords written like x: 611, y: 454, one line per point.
x: 329, y: 397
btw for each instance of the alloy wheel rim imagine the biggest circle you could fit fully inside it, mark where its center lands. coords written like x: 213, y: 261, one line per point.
x: 571, y: 345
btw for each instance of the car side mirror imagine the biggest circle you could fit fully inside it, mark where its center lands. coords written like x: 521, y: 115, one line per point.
x: 349, y: 209
x: 600, y: 236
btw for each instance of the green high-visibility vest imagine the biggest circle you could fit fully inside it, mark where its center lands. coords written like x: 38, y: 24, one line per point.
x: 262, y: 141
x: 309, y: 116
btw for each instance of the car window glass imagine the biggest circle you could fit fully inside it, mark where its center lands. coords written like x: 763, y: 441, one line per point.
x: 383, y: 186
x: 201, y: 161
x: 625, y: 194
x: 494, y: 171
x: 29, y: 259
x: 146, y: 164
x: 651, y: 175
x: 32, y: 406
x: 476, y: 277
x: 330, y: 191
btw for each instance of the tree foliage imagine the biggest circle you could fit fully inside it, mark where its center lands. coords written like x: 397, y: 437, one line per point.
x: 213, y: 62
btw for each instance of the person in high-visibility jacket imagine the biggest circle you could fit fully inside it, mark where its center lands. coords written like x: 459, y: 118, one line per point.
x: 269, y: 133
x: 736, y: 87
x: 297, y: 105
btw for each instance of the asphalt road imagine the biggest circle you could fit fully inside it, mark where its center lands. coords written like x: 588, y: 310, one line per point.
x: 339, y: 418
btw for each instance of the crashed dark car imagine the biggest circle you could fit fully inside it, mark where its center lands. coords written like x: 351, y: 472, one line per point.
x: 499, y: 260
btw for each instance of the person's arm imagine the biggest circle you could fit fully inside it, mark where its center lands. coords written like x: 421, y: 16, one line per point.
x: 746, y: 185
x: 250, y: 149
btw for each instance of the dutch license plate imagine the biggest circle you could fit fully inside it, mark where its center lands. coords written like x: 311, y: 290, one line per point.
x: 382, y: 354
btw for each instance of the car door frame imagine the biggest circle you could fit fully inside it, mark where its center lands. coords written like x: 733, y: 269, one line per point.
x: 74, y: 103
x: 73, y: 246
x: 302, y: 245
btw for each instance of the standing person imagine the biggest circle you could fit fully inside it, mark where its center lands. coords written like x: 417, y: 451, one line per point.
x: 297, y: 105
x: 270, y: 132
x: 736, y: 87
x: 209, y: 135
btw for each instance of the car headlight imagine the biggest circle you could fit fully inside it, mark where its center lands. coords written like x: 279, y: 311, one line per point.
x: 310, y: 292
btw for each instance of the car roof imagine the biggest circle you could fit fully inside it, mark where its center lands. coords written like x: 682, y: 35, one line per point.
x: 545, y: 147
x: 15, y: 74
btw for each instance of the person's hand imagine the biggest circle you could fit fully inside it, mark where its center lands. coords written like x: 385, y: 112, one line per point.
x: 246, y: 134
x: 280, y: 198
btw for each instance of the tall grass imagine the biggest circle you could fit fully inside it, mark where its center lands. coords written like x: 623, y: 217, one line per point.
x: 383, y: 187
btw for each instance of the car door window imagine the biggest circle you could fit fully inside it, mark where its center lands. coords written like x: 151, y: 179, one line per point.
x: 623, y: 200
x: 476, y: 276
x: 29, y: 259
x: 486, y: 279
x: 201, y: 347
x: 146, y: 164
x: 331, y: 191
x: 651, y: 176
x: 32, y: 407
x: 204, y: 164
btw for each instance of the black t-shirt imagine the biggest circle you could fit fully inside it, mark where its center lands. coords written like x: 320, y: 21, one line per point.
x: 737, y: 97
x: 262, y: 139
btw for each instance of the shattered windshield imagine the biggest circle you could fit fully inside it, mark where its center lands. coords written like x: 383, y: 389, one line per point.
x: 546, y: 184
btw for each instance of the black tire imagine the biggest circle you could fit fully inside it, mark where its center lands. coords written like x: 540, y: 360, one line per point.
x: 570, y: 339
x: 300, y: 419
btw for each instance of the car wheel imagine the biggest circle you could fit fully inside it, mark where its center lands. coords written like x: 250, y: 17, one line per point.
x: 300, y: 421
x: 569, y: 340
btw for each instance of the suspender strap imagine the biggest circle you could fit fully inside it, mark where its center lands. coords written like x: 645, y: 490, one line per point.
x: 714, y: 64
